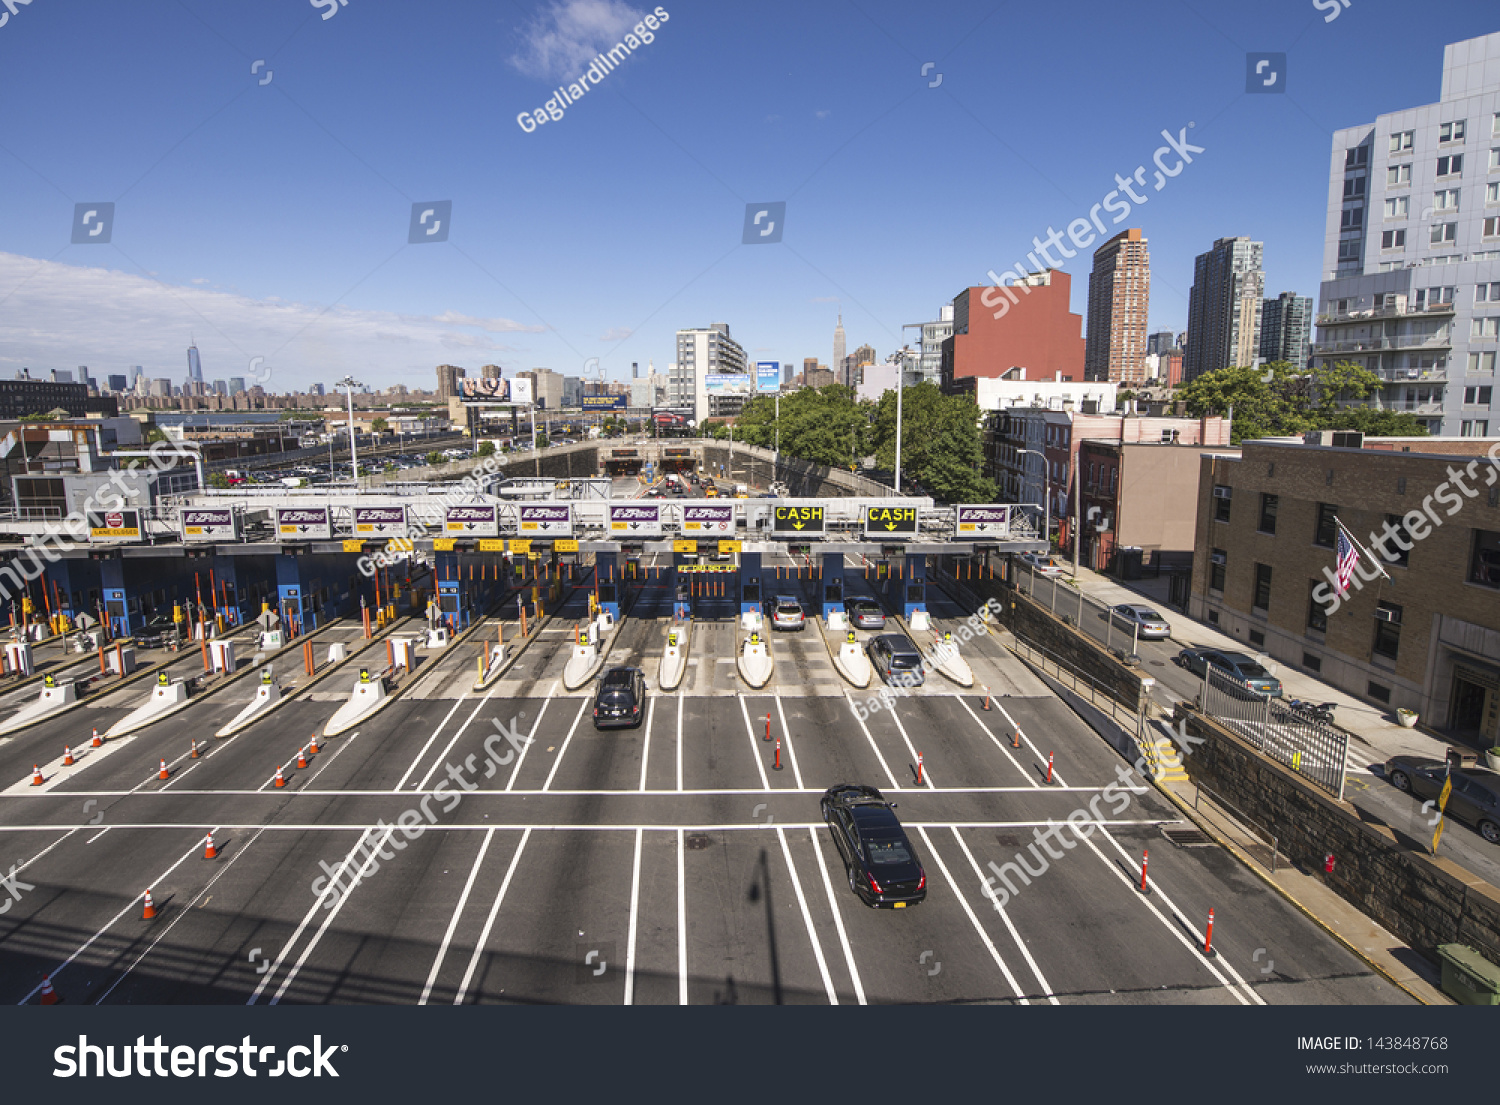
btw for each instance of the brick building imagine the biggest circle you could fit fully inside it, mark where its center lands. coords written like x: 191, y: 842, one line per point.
x: 1025, y: 324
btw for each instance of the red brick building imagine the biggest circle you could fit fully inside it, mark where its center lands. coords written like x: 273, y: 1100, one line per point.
x: 1026, y: 324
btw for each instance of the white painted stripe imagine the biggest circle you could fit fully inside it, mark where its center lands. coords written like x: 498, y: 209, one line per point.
x: 563, y: 751
x: 791, y: 753
x: 926, y: 775
x: 1056, y: 775
x: 438, y: 762
x: 53, y: 845
x: 530, y: 739
x: 887, y: 768
x: 1005, y: 919
x: 489, y: 922
x: 423, y: 753
x: 754, y: 744
x: 646, y: 745
x: 682, y: 970
x: 308, y: 792
x: 838, y: 919
x: 998, y: 743
x: 1150, y: 822
x: 812, y: 933
x: 679, y: 740
x: 635, y: 903
x: 458, y: 911
x: 983, y: 936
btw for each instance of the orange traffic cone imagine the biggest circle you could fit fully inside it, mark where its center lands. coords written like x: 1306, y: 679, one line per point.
x: 209, y: 851
x: 150, y: 908
x: 302, y: 757
x: 36, y: 776
x: 280, y: 778
x: 164, y: 773
x: 193, y: 755
x: 96, y: 742
x: 49, y: 995
x: 67, y: 756
x: 313, y: 747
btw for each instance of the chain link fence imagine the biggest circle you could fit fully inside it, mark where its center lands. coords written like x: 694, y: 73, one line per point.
x: 1315, y: 750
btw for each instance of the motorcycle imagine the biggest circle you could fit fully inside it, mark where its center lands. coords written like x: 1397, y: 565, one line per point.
x: 1317, y: 711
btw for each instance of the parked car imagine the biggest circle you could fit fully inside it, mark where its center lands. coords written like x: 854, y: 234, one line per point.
x: 620, y: 700
x: 1141, y: 620
x: 882, y: 864
x: 864, y: 614
x: 1245, y: 669
x: 896, y: 659
x: 1043, y: 565
x: 786, y: 613
x: 1476, y: 790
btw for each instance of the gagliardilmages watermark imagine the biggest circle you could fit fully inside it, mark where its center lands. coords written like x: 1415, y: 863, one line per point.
x: 602, y: 65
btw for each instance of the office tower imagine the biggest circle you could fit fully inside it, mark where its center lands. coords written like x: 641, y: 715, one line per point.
x: 1224, y: 307
x: 1160, y: 342
x: 809, y: 364
x: 838, y: 346
x: 448, y: 376
x: 117, y: 383
x: 703, y: 353
x: 236, y: 385
x: 61, y: 376
x: 1411, y: 249
x: 161, y: 387
x: 1119, y: 301
x: 1286, y: 329
x: 491, y: 372
x: 635, y: 370
x: 195, y: 367
x: 220, y: 388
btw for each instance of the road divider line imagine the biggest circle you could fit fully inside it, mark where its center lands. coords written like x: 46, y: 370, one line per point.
x: 563, y: 751
x: 646, y: 746
x: 791, y: 752
x: 838, y: 919
x: 754, y: 744
x: 873, y: 747
x: 489, y: 922
x: 1056, y: 775
x: 926, y: 774
x: 812, y: 932
x: 973, y: 920
x: 437, y: 763
x: 458, y: 912
x: 530, y: 738
x: 998, y: 743
x: 682, y: 968
x: 635, y: 905
x: 679, y: 740
x: 1005, y: 919
x: 440, y: 726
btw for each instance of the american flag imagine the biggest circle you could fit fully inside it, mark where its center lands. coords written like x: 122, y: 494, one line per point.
x: 1348, y: 556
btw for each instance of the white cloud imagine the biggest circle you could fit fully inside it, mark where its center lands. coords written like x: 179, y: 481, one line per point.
x: 54, y: 315
x: 616, y: 333
x: 561, y: 41
x: 823, y: 114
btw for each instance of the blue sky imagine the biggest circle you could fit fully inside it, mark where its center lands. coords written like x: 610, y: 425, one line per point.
x: 270, y: 220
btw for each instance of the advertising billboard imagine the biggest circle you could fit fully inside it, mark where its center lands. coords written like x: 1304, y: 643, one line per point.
x: 727, y: 383
x: 634, y: 520
x: 516, y: 391
x: 304, y: 523
x: 767, y: 375
x: 604, y: 402
x: 216, y: 524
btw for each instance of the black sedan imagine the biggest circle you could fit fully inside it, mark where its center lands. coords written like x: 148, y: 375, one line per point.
x: 882, y: 864
x: 158, y: 632
x: 1476, y: 791
x: 621, y: 699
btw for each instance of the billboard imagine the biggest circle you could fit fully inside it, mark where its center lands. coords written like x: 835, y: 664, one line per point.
x: 604, y: 402
x: 472, y: 521
x: 767, y: 375
x: 982, y: 521
x: 634, y: 520
x: 707, y: 518
x: 501, y: 390
x: 114, y: 525
x: 727, y: 383
x: 217, y: 524
x: 304, y: 523
x: 546, y: 520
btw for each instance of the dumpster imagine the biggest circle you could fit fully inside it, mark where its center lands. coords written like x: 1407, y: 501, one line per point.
x: 1130, y: 561
x: 1468, y: 977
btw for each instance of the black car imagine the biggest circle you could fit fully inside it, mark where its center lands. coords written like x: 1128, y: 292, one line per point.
x: 158, y: 632
x: 1476, y: 790
x: 621, y: 699
x: 896, y: 659
x: 882, y: 864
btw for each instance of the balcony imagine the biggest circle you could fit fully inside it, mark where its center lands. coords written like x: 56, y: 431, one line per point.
x: 1413, y: 375
x: 1430, y: 311
x: 1384, y: 345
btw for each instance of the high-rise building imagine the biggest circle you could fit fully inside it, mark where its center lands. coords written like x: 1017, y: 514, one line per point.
x: 221, y: 388
x: 635, y: 370
x: 1119, y: 301
x: 83, y: 376
x: 117, y: 383
x: 1286, y: 329
x: 809, y: 364
x: 195, y: 367
x: 1026, y: 324
x: 1160, y: 342
x: 138, y: 381
x: 702, y: 353
x: 236, y: 385
x: 448, y: 376
x: 161, y: 387
x: 838, y: 346
x: 490, y: 372
x: 1411, y: 249
x: 61, y: 376
x: 852, y: 371
x: 316, y: 389
x: 1224, y: 307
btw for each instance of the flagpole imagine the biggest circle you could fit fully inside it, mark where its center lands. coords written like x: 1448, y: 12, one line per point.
x: 1363, y: 551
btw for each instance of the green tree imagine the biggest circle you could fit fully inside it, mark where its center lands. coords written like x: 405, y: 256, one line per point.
x: 824, y: 425
x: 434, y: 458
x: 379, y: 426
x: 541, y: 441
x: 218, y: 481
x: 941, y: 445
x: 1279, y: 400
x: 486, y: 449
x: 155, y: 434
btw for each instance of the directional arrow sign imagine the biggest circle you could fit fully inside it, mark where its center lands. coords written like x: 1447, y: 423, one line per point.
x: 546, y: 519
x: 639, y: 519
x: 890, y: 521
x: 987, y: 520
x: 217, y: 524
x: 802, y: 520
x: 379, y: 521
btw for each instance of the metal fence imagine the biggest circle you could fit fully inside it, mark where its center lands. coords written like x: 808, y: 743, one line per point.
x: 1315, y: 750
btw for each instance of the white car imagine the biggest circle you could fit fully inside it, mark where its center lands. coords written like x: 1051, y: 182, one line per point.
x: 1141, y: 620
x: 1043, y: 565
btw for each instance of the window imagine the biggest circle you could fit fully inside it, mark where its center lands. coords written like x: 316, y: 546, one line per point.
x: 1354, y: 187
x: 1495, y: 125
x: 1393, y: 239
x: 1268, y: 505
x: 1218, y: 560
x: 1312, y: 663
x: 1387, y: 629
x: 1452, y: 165
x: 1397, y: 175
x: 1357, y: 158
x: 1326, y: 531
x: 1479, y: 427
x: 1222, y: 497
x: 1492, y: 192
x: 1353, y: 218
x: 1487, y: 293
x: 1317, y: 613
x: 1487, y: 327
x: 1445, y: 199
x: 1431, y: 297
x: 1397, y: 207
x: 1257, y: 639
x: 1262, y: 600
x: 1495, y: 158
x: 1349, y: 251
x: 1481, y: 362
x: 1443, y: 234
x: 1477, y: 396
x: 1402, y: 140
x: 1452, y: 132
x: 1395, y: 553
x: 1484, y: 563
x: 1492, y: 227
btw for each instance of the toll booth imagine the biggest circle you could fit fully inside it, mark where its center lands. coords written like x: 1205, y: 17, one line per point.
x: 906, y: 587
x: 607, y: 582
x: 832, y: 583
x: 453, y: 610
x: 749, y: 581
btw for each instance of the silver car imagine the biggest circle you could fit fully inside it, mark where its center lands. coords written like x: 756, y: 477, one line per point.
x: 1142, y: 620
x: 787, y: 613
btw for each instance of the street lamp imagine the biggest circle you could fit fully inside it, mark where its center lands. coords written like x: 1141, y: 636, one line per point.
x: 349, y: 383
x: 1046, y: 496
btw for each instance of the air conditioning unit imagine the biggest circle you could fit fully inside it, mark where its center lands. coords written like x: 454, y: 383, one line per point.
x: 1223, y: 492
x: 1219, y: 558
x: 1383, y: 615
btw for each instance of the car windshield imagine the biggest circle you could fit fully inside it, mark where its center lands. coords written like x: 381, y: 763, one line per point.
x: 788, y: 608
x: 1146, y: 614
x: 1253, y: 671
x: 885, y: 850
x: 904, y: 660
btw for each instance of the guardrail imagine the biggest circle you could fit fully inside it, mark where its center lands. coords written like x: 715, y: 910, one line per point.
x: 1313, y: 749
x: 1199, y: 790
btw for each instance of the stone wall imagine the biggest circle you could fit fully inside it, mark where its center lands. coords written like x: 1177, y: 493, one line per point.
x: 1383, y: 872
x: 805, y: 479
x: 566, y: 462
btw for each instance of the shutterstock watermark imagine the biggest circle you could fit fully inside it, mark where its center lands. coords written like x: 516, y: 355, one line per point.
x: 143, y: 1060
x: 902, y: 682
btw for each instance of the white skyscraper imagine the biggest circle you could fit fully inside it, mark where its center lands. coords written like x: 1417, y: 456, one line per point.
x: 702, y: 353
x: 838, y: 349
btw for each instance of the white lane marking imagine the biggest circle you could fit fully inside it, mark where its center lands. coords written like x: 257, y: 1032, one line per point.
x: 1005, y: 918
x: 1156, y: 889
x: 346, y: 827
x: 531, y: 738
x: 341, y: 793
x: 436, y: 763
x: 635, y: 903
x: 646, y: 747
x: 885, y: 766
x: 563, y: 751
x: 422, y: 754
x: 317, y: 937
x: 223, y: 869
x: 489, y: 922
x: 115, y: 919
x: 458, y: 911
x: 838, y: 919
x: 53, y: 845
x: 998, y: 743
x: 174, y: 778
x: 679, y: 740
x: 791, y: 753
x: 96, y: 836
x: 1056, y: 775
x: 682, y: 975
x: 926, y: 775
x: 973, y: 920
x: 812, y: 933
x: 754, y: 744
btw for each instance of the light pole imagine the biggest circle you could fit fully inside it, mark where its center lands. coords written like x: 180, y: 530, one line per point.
x: 1046, y: 497
x: 900, y: 387
x: 349, y: 383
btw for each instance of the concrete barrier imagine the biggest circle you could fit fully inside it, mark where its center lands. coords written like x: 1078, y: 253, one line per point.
x: 166, y: 698
x: 583, y: 665
x: 853, y: 663
x: 674, y: 658
x: 367, y: 696
x: 267, y: 695
x: 494, y: 667
x: 755, y: 663
x: 947, y: 662
x: 53, y: 698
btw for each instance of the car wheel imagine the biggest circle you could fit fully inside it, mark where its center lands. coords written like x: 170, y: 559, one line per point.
x: 1490, y: 831
x: 1401, y: 781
